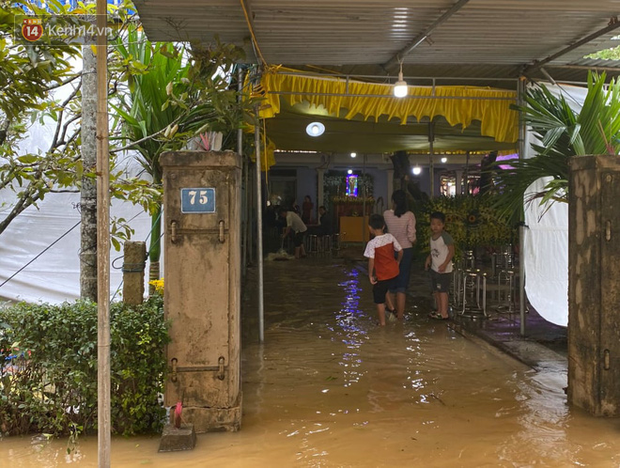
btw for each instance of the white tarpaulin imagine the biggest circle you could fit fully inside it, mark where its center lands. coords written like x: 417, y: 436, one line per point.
x: 546, y: 240
x: 54, y: 276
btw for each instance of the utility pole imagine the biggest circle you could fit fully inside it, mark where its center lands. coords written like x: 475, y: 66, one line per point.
x: 103, y: 242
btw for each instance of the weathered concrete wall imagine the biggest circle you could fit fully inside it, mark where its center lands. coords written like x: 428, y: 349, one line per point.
x: 202, y: 290
x: 594, y: 285
x: 134, y: 256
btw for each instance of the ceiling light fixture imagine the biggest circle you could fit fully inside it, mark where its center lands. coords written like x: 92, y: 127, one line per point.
x: 353, y: 155
x: 400, y: 87
x: 444, y: 160
x: 416, y: 170
x: 315, y: 129
x: 350, y: 171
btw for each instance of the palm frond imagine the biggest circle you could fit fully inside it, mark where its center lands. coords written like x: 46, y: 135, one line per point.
x: 563, y: 133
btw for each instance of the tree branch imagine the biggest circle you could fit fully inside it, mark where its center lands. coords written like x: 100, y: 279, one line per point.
x: 4, y: 130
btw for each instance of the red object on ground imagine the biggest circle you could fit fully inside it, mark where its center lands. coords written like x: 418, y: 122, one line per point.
x: 177, y: 414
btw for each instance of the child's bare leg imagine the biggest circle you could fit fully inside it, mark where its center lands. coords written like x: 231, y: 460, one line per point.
x: 297, y: 252
x: 442, y: 304
x: 400, y: 304
x: 389, y: 301
x: 381, y: 313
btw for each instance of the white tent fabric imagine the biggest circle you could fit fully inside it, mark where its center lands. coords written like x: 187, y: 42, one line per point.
x: 546, y: 258
x: 54, y: 276
x: 546, y: 240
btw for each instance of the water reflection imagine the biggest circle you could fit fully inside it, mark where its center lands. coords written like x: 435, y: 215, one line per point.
x: 352, y: 323
x: 331, y: 389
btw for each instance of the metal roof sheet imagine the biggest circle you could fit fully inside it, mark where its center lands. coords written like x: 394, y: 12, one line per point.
x: 370, y: 32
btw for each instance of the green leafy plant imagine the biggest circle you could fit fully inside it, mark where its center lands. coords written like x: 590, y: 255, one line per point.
x: 563, y: 133
x: 472, y: 221
x: 170, y: 95
x: 48, y: 367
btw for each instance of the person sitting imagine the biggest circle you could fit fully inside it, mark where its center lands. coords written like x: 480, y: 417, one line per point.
x: 325, y: 223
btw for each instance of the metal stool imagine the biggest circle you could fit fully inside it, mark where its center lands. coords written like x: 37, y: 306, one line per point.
x: 312, y: 247
x: 324, y: 245
x: 506, y: 292
x: 457, y: 284
x: 502, y: 260
x: 469, y: 260
x: 474, y: 302
x: 335, y: 241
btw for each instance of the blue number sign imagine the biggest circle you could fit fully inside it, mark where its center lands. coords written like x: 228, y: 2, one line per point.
x: 198, y: 200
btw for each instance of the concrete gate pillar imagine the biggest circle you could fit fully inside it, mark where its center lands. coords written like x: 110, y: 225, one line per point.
x: 202, y: 208
x: 594, y: 285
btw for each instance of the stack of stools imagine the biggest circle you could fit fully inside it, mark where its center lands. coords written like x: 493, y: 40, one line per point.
x: 320, y: 245
x: 473, y: 302
x: 335, y: 242
x: 469, y: 288
x: 324, y: 245
x: 506, y: 292
x: 311, y: 244
x: 506, y: 283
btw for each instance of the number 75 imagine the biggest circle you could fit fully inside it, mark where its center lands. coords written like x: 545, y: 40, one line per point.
x: 202, y: 197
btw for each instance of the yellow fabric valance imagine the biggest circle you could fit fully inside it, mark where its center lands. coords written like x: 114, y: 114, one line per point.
x: 497, y: 119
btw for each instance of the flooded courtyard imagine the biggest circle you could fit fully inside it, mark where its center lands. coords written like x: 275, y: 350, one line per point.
x: 330, y: 388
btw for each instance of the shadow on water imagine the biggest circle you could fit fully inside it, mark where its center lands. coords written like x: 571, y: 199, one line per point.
x: 329, y: 388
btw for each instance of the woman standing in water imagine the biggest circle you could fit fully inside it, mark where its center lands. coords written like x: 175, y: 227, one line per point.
x: 401, y: 224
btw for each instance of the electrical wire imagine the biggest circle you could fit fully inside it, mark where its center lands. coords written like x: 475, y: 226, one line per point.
x: 41, y: 253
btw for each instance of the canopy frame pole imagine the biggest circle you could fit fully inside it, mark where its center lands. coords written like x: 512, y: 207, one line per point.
x: 104, y: 434
x: 416, y: 41
x: 259, y: 228
x: 364, y: 225
x: 613, y: 25
x: 522, y: 130
x: 390, y: 96
x: 244, y: 173
x: 431, y: 154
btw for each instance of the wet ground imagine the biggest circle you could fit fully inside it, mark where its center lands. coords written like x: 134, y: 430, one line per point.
x: 329, y: 388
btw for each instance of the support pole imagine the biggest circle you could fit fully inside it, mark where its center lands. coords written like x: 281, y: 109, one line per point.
x: 259, y: 229
x: 431, y: 150
x: 466, y: 176
x: 364, y: 226
x: 522, y: 130
x: 103, y: 243
x: 244, y: 172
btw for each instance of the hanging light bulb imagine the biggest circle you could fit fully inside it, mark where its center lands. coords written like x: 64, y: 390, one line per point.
x: 416, y: 170
x: 400, y: 87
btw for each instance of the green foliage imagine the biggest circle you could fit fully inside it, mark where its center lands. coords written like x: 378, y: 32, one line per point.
x: 472, y: 221
x: 50, y: 385
x: 563, y: 133
x: 607, y: 54
x: 169, y: 96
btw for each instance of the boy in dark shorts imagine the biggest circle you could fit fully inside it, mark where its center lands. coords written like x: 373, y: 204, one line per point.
x: 440, y: 263
x: 382, y: 266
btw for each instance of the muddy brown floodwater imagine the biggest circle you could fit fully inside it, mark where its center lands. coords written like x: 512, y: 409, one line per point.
x: 329, y: 388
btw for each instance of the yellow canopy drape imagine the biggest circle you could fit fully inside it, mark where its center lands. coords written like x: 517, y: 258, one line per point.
x: 458, y: 108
